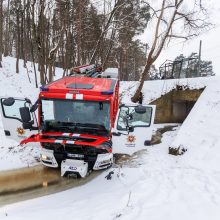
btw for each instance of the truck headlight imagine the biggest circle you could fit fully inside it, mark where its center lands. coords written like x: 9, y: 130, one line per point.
x: 45, y: 157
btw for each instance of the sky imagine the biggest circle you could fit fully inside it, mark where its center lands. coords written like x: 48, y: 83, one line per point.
x: 210, y: 41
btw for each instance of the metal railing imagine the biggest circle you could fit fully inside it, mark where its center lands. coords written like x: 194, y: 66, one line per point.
x: 185, y: 68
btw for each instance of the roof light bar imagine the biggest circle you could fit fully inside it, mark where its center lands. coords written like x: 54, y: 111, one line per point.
x: 44, y: 89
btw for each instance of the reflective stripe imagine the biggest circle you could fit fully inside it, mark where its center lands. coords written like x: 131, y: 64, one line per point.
x: 75, y: 135
x: 70, y: 142
x: 69, y: 96
x: 79, y: 96
x: 58, y: 141
x: 66, y: 134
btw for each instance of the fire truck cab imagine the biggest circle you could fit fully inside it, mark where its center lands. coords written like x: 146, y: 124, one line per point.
x: 80, y: 124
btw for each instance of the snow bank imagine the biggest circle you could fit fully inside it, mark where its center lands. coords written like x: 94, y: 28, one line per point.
x: 200, y: 132
x: 17, y: 85
x: 111, y: 72
x: 154, y: 89
x: 154, y: 185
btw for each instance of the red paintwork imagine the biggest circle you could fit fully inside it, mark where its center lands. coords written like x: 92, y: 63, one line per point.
x: 39, y: 138
x: 58, y: 90
x: 86, y: 97
x: 99, y: 85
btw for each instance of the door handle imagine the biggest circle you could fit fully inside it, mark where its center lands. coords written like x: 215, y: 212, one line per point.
x: 7, y: 133
x: 116, y: 134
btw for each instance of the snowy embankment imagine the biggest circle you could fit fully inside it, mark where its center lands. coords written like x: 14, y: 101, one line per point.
x: 17, y: 85
x: 154, y: 89
x: 200, y: 132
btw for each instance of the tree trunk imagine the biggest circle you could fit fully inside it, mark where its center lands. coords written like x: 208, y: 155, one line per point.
x: 50, y: 70
x: 104, y: 31
x: 18, y: 38
x: 1, y: 31
x: 6, y: 49
x: 144, y: 77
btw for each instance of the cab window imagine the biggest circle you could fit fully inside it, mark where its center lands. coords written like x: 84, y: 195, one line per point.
x: 128, y: 117
x: 13, y: 110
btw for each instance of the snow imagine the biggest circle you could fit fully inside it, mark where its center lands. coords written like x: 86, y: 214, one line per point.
x: 199, y: 133
x: 152, y: 184
x: 156, y: 88
x: 17, y: 85
x: 102, y: 198
x: 112, y: 72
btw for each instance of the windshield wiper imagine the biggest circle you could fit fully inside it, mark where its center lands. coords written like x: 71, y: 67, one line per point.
x: 73, y: 126
x: 82, y: 125
x: 57, y: 126
x: 92, y: 126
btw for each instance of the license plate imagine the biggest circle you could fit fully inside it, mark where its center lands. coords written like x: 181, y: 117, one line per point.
x: 75, y: 155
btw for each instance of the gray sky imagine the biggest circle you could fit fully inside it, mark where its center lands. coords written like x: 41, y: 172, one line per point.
x: 210, y: 41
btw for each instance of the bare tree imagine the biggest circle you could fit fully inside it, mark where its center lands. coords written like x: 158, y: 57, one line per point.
x: 18, y: 35
x: 118, y: 4
x: 174, y: 20
x: 52, y: 56
x: 67, y: 33
x: 6, y: 43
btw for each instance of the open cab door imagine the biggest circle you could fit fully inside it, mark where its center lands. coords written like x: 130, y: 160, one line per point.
x: 18, y: 122
x: 133, y: 128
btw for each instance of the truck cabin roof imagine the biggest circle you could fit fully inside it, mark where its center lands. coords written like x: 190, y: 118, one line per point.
x: 83, y: 85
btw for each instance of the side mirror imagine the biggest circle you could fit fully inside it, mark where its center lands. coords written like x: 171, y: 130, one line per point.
x: 26, y: 118
x: 140, y: 109
x: 9, y: 101
x: 25, y: 114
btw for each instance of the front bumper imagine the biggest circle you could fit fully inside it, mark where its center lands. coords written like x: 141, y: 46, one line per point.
x: 103, y: 161
x: 48, y: 159
x: 77, y: 167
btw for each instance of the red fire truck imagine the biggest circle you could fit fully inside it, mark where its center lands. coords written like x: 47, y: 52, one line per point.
x: 79, y: 126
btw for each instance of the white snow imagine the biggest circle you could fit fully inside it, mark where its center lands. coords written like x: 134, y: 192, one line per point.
x: 14, y: 84
x: 200, y: 132
x: 153, y: 185
x: 155, y: 88
x: 111, y: 72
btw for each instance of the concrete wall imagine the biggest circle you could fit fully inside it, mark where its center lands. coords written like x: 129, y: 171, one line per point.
x: 174, y: 106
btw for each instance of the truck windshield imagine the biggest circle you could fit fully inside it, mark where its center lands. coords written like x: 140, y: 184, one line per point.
x: 85, y: 114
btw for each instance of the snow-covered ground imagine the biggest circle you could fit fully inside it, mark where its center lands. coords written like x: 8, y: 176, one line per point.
x: 17, y: 85
x: 156, y: 186
x: 156, y: 88
x: 153, y: 185
x: 200, y: 132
